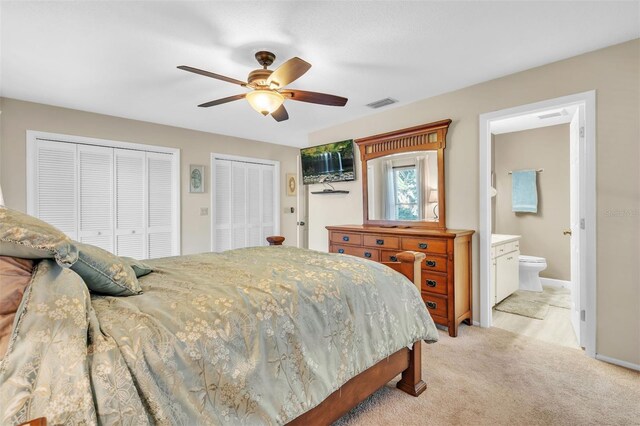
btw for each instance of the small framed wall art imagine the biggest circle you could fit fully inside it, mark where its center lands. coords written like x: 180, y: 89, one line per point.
x: 292, y: 184
x: 196, y: 178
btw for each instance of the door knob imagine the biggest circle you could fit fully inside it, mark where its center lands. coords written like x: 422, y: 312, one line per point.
x: 566, y: 232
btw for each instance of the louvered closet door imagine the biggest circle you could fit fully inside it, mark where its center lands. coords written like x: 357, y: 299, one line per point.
x: 95, y: 177
x: 254, y: 205
x: 243, y: 211
x: 222, y: 205
x: 160, y: 205
x: 238, y: 205
x: 269, y: 185
x: 54, y: 185
x: 130, y: 203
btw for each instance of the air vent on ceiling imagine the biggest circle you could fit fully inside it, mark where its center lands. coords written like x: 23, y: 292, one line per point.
x: 382, y: 102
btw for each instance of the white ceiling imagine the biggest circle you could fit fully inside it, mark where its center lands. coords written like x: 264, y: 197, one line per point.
x: 120, y: 58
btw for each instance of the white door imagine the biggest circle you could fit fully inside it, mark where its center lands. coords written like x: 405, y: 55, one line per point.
x: 160, y: 239
x: 95, y: 182
x: 244, y: 203
x: 574, y: 203
x: 221, y: 209
x: 130, y: 202
x: 238, y: 205
x: 53, y: 189
x: 269, y: 185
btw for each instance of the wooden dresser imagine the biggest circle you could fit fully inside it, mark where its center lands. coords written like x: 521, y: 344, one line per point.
x: 446, y: 271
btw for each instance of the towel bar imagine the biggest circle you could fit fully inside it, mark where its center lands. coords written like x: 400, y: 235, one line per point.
x: 539, y: 171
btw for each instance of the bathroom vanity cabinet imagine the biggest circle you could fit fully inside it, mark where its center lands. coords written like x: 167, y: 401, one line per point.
x: 505, y: 264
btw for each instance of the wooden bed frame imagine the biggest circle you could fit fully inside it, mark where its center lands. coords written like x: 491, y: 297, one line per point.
x: 406, y: 362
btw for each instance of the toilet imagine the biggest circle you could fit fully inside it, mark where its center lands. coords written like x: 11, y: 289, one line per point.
x: 530, y: 268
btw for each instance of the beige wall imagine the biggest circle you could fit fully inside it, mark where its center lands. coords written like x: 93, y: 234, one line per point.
x: 613, y: 73
x: 195, y: 147
x: 545, y: 148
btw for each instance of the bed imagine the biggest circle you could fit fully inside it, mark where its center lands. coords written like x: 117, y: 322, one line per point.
x: 262, y: 335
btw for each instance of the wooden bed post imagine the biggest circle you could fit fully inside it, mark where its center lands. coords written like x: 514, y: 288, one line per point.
x: 275, y: 240
x: 409, y: 265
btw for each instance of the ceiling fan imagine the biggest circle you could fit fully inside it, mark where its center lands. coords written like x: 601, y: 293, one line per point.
x: 268, y: 87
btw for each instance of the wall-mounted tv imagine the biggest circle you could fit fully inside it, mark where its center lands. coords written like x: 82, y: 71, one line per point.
x: 332, y: 162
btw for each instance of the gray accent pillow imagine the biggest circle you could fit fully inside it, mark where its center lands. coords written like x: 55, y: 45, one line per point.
x: 141, y: 269
x: 105, y: 273
x: 27, y: 237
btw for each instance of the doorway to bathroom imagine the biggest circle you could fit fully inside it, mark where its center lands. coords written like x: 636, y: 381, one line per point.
x: 537, y: 219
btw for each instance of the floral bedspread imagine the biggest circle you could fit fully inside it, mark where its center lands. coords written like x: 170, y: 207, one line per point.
x: 250, y: 336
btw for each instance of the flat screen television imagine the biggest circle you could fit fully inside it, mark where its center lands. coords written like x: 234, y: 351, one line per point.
x: 332, y: 162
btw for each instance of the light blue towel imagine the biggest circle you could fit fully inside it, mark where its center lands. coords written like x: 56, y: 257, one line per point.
x: 524, y: 191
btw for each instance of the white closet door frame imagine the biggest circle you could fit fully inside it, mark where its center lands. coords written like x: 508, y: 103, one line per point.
x: 276, y: 189
x: 34, y: 135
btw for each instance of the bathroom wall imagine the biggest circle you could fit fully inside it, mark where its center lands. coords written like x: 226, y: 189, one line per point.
x: 544, y: 148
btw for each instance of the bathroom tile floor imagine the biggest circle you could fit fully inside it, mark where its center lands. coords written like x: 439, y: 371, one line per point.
x: 555, y: 328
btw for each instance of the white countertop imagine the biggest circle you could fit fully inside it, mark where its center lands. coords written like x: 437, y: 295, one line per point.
x: 501, y: 239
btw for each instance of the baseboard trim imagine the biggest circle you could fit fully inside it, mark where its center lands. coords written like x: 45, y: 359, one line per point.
x: 619, y: 362
x: 555, y: 283
x: 476, y: 323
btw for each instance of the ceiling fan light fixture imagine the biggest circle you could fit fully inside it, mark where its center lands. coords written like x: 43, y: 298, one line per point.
x: 265, y: 101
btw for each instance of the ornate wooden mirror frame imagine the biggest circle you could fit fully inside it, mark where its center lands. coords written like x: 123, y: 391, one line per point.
x: 427, y: 137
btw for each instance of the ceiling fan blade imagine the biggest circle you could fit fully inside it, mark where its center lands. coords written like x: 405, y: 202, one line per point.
x: 280, y: 114
x: 288, y: 72
x: 212, y: 75
x: 223, y: 100
x: 315, y: 97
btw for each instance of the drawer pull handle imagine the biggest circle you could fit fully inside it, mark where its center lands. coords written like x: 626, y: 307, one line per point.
x: 340, y: 251
x: 423, y: 245
x: 393, y: 258
x: 367, y: 254
x: 379, y: 242
x: 345, y: 238
x: 431, y: 283
x: 432, y: 305
x: 431, y: 263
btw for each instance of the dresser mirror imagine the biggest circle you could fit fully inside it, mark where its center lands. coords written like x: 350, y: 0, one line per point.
x: 403, y: 187
x: 403, y: 177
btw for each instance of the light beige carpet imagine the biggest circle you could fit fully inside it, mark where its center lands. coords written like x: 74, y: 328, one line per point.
x: 494, y: 377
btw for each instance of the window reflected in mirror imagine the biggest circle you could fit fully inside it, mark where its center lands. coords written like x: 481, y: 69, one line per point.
x: 403, y: 186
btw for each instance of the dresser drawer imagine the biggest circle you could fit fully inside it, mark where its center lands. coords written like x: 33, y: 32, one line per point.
x: 382, y: 241
x: 389, y: 255
x: 434, y: 283
x: 427, y: 245
x: 346, y: 238
x: 437, y: 305
x: 366, y: 253
x: 434, y: 263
